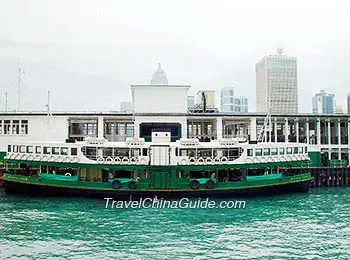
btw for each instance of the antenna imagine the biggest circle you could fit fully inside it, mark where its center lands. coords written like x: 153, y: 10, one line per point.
x: 48, y: 103
x: 20, y: 71
x: 279, y: 51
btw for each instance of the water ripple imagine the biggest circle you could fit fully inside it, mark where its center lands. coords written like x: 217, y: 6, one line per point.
x: 298, y: 226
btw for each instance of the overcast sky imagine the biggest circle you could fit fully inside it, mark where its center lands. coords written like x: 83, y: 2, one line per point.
x: 88, y: 53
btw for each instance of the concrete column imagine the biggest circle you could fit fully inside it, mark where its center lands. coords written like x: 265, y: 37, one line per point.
x: 184, y: 129
x: 307, y: 131
x: 275, y: 126
x: 297, y: 129
x: 329, y: 132
x: 318, y: 131
x: 100, y: 127
x: 136, y: 128
x: 339, y: 134
x: 253, y: 129
x: 219, y: 127
x: 286, y: 129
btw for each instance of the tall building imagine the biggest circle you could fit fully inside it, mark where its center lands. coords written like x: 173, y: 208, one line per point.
x: 277, y: 84
x: 230, y: 103
x: 323, y: 103
x: 348, y: 103
x: 159, y: 77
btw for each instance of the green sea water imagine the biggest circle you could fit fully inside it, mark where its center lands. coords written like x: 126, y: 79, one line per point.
x: 296, y: 226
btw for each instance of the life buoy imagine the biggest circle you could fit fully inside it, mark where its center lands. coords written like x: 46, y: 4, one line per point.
x: 125, y: 160
x: 30, y: 158
x: 208, y: 160
x: 109, y: 160
x: 200, y: 160
x: 133, y: 160
x: 224, y: 160
x: 183, y: 161
x: 217, y: 160
x: 248, y: 160
x: 68, y: 174
x: 117, y: 160
x: 18, y: 157
x: 75, y: 160
x: 192, y: 160
x: 142, y: 161
x: 100, y: 160
x: 256, y: 160
x: 132, y: 184
x: 67, y: 160
x: 194, y: 184
x: 38, y: 158
x: 60, y: 159
x: 52, y: 159
x: 269, y: 159
x: 210, y: 184
x: 44, y: 158
x: 24, y: 157
x: 116, y: 184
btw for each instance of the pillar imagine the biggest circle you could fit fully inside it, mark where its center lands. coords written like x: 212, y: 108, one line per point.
x: 329, y: 131
x: 253, y: 129
x: 219, y: 127
x: 307, y: 130
x: 286, y: 129
x: 318, y: 131
x: 275, y: 129
x: 297, y: 130
x: 100, y: 127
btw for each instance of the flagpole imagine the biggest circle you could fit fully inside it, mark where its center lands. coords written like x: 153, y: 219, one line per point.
x: 19, y: 86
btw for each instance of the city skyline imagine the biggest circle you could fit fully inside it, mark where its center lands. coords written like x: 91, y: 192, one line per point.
x: 98, y: 50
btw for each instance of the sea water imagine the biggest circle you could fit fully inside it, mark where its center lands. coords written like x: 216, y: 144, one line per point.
x: 295, y: 226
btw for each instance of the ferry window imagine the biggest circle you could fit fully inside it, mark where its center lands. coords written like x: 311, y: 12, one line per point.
x: 24, y: 127
x: 305, y: 149
x: 144, y: 152
x: 74, y: 151
x: 9, y: 148
x: 0, y: 126
x: 135, y: 152
x: 217, y: 153
x: 7, y: 127
x: 266, y: 151
x: 289, y: 150
x: 300, y: 150
x: 121, y: 152
x: 46, y: 150
x: 90, y: 152
x: 15, y: 127
x: 108, y: 152
x: 64, y: 151
x: 295, y: 150
x: 273, y: 151
x: 30, y: 149
x: 15, y: 148
x: 22, y: 149
x: 281, y: 151
x: 204, y: 153
x: 38, y: 149
x: 55, y: 150
x: 250, y: 152
x: 258, y: 152
x: 234, y: 153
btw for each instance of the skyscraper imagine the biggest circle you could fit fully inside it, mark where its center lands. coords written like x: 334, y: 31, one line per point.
x: 323, y: 103
x: 231, y: 103
x: 277, y: 84
x: 348, y: 103
x: 159, y: 77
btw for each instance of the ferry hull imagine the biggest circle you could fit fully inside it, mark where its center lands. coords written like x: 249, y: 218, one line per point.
x: 46, y: 190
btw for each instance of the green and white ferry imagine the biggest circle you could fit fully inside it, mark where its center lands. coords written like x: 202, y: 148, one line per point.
x: 96, y: 167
